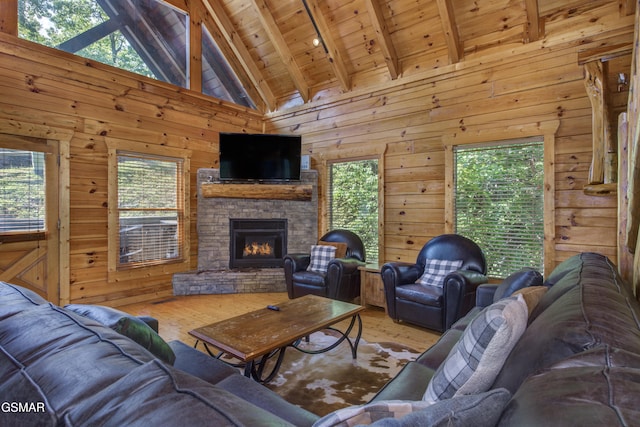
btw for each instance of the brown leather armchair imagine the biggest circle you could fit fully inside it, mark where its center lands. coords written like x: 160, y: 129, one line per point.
x: 435, y: 307
x: 342, y: 279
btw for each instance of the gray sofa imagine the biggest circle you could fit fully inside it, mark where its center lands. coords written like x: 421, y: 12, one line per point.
x: 60, y: 368
x: 576, y: 364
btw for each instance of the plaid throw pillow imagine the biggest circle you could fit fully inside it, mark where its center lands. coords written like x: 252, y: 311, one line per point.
x: 474, y: 362
x: 320, y: 257
x: 435, y: 271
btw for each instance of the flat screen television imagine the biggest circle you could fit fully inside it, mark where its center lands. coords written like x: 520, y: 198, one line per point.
x: 259, y: 157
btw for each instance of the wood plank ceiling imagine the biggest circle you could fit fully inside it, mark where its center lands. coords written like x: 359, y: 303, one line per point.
x: 269, y: 43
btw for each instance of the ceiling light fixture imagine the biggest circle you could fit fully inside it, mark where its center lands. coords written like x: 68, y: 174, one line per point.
x: 317, y: 41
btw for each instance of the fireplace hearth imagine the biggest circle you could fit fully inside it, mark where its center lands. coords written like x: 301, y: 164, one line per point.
x: 257, y: 243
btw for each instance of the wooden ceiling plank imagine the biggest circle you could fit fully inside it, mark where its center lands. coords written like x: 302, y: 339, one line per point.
x: 233, y: 40
x: 335, y: 58
x: 534, y: 28
x: 384, y: 38
x: 282, y: 48
x: 450, y: 29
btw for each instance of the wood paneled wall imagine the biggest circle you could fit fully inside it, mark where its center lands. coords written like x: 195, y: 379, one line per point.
x: 46, y: 87
x: 406, y: 121
x: 516, y: 87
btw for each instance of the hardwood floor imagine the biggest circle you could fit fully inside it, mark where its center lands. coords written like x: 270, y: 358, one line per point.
x: 178, y: 315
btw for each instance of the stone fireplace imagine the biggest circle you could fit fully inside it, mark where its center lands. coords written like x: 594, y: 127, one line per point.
x: 227, y: 224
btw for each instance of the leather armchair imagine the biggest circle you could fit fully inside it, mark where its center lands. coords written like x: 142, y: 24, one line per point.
x: 342, y: 279
x: 435, y: 307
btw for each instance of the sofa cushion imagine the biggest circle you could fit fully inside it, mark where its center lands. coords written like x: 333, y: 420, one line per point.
x: 532, y: 296
x: 479, y: 410
x: 598, y: 387
x: 127, y: 325
x: 409, y: 384
x: 321, y: 255
x: 478, y: 356
x: 597, y: 312
x: 435, y: 270
x: 255, y: 393
x: 157, y: 394
x: 86, y: 356
x: 16, y: 298
x: 16, y: 388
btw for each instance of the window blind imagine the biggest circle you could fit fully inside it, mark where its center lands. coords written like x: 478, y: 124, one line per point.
x: 150, y: 210
x: 22, y: 191
x: 499, y: 203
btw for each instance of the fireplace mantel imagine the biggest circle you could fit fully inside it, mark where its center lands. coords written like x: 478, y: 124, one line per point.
x: 300, y: 192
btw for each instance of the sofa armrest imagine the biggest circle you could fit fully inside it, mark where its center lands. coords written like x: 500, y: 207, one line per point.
x: 485, y: 293
x: 152, y: 322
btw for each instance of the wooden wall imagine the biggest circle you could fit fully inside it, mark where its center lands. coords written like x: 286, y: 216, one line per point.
x: 43, y: 87
x: 495, y: 95
x: 405, y: 122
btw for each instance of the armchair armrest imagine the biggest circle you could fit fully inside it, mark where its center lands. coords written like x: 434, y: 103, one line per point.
x: 459, y: 293
x: 394, y: 274
x: 297, y: 261
x: 343, y: 278
x: 400, y: 273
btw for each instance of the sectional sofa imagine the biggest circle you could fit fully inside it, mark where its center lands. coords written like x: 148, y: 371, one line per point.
x: 576, y: 363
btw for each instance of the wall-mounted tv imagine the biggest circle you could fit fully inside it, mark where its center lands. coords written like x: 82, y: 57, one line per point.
x: 260, y: 157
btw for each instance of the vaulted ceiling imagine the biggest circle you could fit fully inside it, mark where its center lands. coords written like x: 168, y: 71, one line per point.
x: 269, y: 43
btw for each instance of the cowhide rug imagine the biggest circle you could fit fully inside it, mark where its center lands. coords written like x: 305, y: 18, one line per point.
x: 322, y: 383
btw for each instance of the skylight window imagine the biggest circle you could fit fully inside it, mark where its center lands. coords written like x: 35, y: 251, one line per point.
x: 147, y: 37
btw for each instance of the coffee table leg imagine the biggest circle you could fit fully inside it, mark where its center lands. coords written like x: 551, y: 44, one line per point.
x: 257, y: 374
x: 343, y: 336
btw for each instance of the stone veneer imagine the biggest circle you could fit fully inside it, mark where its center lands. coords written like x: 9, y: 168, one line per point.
x: 213, y: 275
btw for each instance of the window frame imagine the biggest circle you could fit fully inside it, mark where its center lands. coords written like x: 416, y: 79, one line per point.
x: 326, y: 206
x: 116, y: 271
x: 547, y: 131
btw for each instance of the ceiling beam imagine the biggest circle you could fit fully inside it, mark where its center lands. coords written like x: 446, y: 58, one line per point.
x: 273, y: 32
x: 448, y: 19
x: 335, y: 59
x: 384, y: 38
x: 534, y: 28
x: 229, y: 36
x: 9, y: 17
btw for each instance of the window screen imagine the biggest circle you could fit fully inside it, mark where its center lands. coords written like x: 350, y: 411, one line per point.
x: 353, y: 201
x: 150, y: 211
x: 499, y: 203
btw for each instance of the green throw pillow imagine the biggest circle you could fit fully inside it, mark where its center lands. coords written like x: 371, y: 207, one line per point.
x: 141, y: 333
x: 127, y: 325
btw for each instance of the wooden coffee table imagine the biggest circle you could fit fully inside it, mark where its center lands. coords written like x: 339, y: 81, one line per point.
x: 260, y: 335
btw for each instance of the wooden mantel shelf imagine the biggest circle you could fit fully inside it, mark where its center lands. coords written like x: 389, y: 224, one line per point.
x: 300, y: 192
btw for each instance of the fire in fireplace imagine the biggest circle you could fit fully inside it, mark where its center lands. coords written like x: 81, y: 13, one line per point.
x: 257, y: 243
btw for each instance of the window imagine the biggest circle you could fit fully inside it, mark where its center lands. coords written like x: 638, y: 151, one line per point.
x: 150, y: 209
x: 499, y: 202
x: 22, y: 192
x: 147, y: 37
x: 353, y: 201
